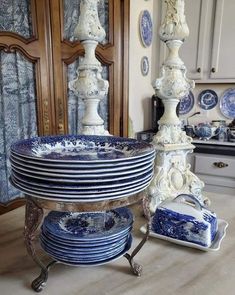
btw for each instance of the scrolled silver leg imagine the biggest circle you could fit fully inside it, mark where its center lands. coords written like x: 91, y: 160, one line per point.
x: 135, y: 267
x: 33, y: 218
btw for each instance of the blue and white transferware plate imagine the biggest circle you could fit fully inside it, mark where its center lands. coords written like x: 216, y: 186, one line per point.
x: 81, y: 258
x: 79, y: 169
x: 71, y: 179
x: 146, y: 28
x: 94, y: 263
x: 186, y: 104
x: 81, y: 148
x: 81, y: 198
x: 86, y: 226
x: 82, y: 187
x: 79, y: 175
x: 92, y: 247
x: 227, y: 103
x: 85, y: 255
x: 84, y: 193
x: 144, y: 65
x: 207, y: 99
x: 84, y: 165
x: 105, y: 241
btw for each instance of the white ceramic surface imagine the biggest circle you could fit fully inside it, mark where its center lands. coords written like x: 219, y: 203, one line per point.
x: 215, y: 246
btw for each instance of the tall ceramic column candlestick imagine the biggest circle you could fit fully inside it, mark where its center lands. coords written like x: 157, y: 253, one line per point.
x: 172, y: 173
x: 89, y: 84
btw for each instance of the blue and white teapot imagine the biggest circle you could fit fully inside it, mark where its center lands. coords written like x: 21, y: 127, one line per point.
x: 206, y: 131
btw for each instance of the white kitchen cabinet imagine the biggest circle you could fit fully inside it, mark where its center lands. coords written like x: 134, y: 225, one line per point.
x: 216, y: 171
x: 208, y: 52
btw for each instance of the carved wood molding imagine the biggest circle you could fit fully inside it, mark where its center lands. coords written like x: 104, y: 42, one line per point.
x: 4, y: 208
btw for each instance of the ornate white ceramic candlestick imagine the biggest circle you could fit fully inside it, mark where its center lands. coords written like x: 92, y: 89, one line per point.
x: 89, y: 84
x: 172, y: 173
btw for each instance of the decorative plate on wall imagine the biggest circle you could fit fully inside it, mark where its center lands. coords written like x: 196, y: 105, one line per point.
x: 144, y: 65
x: 207, y: 99
x: 146, y: 28
x: 186, y: 104
x: 227, y: 103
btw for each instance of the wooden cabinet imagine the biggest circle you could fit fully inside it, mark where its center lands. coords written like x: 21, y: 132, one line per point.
x: 50, y: 49
x: 208, y: 51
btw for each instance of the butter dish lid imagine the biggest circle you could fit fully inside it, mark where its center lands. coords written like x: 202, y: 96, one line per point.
x: 188, y: 205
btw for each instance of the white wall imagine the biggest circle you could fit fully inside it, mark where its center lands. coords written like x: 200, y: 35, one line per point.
x: 213, y: 114
x: 140, y: 87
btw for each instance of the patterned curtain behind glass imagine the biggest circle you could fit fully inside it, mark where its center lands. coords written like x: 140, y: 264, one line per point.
x: 17, y: 91
x: 76, y: 105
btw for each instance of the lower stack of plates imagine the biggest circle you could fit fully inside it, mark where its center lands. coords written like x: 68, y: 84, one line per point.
x: 85, y: 239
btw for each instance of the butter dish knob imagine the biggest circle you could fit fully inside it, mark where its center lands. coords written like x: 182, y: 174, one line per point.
x: 190, y: 200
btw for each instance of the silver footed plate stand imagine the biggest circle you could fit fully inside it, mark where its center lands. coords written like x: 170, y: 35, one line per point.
x: 34, y: 217
x: 91, y: 87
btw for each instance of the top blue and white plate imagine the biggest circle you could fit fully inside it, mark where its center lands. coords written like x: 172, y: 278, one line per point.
x: 227, y: 103
x: 88, y: 226
x: 207, y: 99
x: 146, y: 28
x: 81, y: 149
x: 186, y: 104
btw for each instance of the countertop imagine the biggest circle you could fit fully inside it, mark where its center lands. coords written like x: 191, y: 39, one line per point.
x: 168, y: 268
x: 214, y: 147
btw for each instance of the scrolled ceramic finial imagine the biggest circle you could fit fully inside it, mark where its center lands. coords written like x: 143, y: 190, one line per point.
x: 174, y: 26
x: 89, y: 27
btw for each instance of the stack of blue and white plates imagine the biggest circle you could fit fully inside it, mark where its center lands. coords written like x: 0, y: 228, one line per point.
x: 87, y: 238
x: 81, y: 168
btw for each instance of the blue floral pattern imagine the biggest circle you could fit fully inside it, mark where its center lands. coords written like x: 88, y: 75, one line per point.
x: 17, y: 112
x: 15, y: 17
x: 17, y: 91
x: 71, y: 16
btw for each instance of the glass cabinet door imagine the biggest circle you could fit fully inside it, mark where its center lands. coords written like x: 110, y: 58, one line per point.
x: 111, y: 53
x: 75, y: 105
x: 25, y: 93
x: 17, y: 91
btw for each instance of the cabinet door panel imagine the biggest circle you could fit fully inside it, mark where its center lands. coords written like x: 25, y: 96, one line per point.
x: 223, y: 61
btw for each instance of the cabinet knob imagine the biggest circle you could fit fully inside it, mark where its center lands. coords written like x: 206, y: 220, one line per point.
x: 213, y: 70
x: 220, y: 164
x: 199, y: 70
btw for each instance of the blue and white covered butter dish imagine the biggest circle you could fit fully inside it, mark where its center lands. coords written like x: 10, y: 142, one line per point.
x: 184, y: 218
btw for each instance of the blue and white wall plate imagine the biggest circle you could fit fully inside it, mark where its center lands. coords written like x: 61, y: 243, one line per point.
x: 186, y: 104
x: 227, y: 103
x: 207, y: 99
x: 146, y: 28
x: 144, y: 65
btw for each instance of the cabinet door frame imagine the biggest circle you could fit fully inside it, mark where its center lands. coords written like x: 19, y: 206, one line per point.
x: 216, y: 62
x: 114, y: 54
x: 35, y: 49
